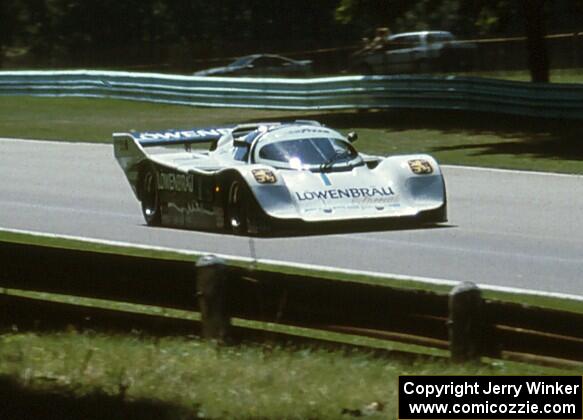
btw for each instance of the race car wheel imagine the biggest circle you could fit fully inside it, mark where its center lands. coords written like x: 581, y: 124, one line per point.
x: 244, y: 217
x: 237, y: 209
x: 150, y: 198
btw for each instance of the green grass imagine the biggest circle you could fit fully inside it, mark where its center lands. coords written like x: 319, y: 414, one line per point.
x: 188, y: 377
x: 93, y: 120
x: 459, y: 138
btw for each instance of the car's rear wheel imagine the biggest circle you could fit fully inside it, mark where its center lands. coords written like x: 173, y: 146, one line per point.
x: 150, y: 198
x: 237, y: 209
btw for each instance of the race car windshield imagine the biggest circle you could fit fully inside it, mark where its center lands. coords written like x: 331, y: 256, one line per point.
x: 314, y: 151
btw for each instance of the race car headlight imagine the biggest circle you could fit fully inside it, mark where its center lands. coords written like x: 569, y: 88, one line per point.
x: 420, y: 167
x: 264, y: 176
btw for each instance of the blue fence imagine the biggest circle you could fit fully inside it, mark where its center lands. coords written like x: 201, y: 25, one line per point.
x: 349, y: 92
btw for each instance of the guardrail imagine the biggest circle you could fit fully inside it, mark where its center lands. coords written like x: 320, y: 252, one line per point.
x: 482, y: 328
x: 349, y: 92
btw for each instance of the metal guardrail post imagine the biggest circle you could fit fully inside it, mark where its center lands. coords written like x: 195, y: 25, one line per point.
x: 465, y: 322
x: 211, y: 279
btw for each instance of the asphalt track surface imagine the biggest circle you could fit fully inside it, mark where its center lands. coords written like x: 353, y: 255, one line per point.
x: 513, y: 229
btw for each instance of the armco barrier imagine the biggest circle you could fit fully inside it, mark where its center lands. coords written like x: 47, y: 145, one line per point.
x: 349, y: 92
x: 318, y: 303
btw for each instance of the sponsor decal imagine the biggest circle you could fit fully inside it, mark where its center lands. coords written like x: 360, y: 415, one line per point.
x: 175, y: 182
x: 325, y: 179
x: 310, y: 130
x: 264, y: 176
x: 371, y: 194
x: 203, y: 133
x: 420, y: 166
x: 189, y: 209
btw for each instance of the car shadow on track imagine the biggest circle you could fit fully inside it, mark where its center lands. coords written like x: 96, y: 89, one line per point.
x: 355, y: 229
x: 322, y: 230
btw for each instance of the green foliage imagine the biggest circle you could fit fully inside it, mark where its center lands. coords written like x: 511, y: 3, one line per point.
x: 59, y: 32
x: 473, y: 18
x: 61, y: 29
x: 190, y: 378
x: 79, y: 33
x: 429, y: 14
x: 368, y: 14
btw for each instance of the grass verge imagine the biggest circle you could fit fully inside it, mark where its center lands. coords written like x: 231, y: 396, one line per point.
x: 185, y: 378
x: 453, y: 137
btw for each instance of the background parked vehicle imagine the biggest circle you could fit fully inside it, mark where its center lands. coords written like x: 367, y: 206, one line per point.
x: 414, y: 52
x: 261, y: 65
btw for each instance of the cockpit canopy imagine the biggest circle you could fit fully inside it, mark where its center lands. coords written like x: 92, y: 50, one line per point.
x: 310, y: 153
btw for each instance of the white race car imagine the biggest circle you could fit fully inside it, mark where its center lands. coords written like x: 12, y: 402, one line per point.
x: 263, y: 177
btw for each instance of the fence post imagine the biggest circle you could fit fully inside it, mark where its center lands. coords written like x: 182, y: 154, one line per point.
x: 465, y: 325
x: 211, y: 280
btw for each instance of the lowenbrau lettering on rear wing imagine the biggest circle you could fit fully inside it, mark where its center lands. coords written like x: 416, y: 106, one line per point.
x: 192, y: 135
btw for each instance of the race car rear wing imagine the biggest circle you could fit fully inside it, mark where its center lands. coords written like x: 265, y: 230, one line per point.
x: 197, y: 135
x: 170, y: 137
x: 130, y: 148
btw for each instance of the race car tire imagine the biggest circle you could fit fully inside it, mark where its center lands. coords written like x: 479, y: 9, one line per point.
x: 244, y: 217
x: 150, y: 198
x: 237, y: 209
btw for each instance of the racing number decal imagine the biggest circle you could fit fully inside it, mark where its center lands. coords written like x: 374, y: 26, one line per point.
x: 420, y: 166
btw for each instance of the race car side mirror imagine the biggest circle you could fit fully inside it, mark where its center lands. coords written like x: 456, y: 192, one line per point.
x: 352, y: 137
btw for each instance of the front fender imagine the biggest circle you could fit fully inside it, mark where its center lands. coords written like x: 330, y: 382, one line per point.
x: 424, y: 189
x: 274, y: 198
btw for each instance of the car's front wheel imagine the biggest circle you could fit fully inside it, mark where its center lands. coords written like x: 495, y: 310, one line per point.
x: 244, y: 216
x: 150, y: 198
x: 237, y: 209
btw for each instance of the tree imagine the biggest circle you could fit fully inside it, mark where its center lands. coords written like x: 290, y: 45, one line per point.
x: 10, y: 17
x: 469, y: 18
x: 366, y: 15
x: 538, y: 60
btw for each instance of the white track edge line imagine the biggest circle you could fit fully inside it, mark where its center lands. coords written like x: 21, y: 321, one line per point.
x: 401, y: 277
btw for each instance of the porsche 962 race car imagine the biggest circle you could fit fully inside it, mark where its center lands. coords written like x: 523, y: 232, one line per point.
x: 258, y: 178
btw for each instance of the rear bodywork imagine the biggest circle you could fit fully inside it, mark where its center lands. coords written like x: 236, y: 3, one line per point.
x: 195, y: 169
